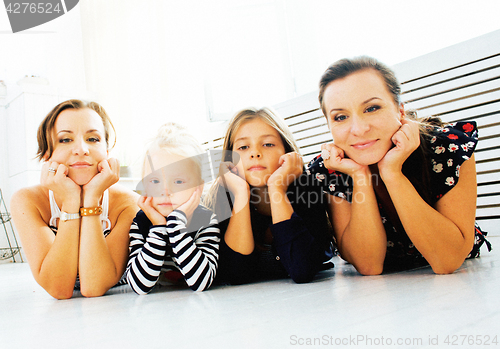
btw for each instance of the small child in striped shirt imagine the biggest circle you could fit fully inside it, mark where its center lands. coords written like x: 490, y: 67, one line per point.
x: 173, y: 239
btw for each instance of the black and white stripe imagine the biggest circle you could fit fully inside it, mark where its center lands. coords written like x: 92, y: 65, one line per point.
x: 193, y: 252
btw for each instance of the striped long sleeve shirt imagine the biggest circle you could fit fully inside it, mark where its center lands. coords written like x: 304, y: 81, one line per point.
x: 157, y: 249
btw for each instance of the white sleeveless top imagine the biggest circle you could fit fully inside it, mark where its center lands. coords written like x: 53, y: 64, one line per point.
x: 56, y: 212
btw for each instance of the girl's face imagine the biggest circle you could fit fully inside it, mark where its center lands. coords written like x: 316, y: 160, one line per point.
x: 80, y: 143
x: 362, y: 116
x: 172, y: 182
x: 260, y: 147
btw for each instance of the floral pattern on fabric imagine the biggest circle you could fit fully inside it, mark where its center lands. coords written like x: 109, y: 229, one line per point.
x: 450, y: 146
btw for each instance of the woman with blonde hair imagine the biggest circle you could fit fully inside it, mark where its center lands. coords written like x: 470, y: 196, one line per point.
x: 277, y: 227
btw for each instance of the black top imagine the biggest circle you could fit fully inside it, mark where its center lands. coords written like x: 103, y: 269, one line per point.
x: 301, y: 246
x: 449, y: 146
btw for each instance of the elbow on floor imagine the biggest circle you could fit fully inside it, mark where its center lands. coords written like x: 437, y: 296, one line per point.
x: 370, y: 269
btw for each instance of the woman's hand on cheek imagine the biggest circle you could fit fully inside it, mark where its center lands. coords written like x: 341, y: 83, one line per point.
x: 291, y: 167
x: 191, y: 204
x: 338, y: 162
x: 107, y: 175
x: 406, y: 140
x: 146, y: 205
x: 58, y: 181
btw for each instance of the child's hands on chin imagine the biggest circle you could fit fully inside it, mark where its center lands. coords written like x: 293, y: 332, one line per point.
x: 190, y: 205
x: 145, y: 204
x: 406, y: 140
x: 58, y: 181
x: 338, y: 162
x: 230, y: 178
x: 291, y: 166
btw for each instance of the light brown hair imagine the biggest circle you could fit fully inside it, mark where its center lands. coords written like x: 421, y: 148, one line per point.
x: 45, y: 130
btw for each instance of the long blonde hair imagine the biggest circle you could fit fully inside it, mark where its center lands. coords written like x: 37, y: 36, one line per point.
x: 217, y: 192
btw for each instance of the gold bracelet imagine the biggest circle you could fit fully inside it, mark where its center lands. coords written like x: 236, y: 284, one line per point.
x: 90, y: 211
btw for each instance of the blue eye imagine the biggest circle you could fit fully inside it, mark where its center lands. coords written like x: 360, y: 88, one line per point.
x: 243, y: 147
x: 372, y: 109
x: 94, y: 140
x: 179, y: 181
x: 154, y: 181
x: 268, y: 145
x: 339, y: 117
x: 65, y: 140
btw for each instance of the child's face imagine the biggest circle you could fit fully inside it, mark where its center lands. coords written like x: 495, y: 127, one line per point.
x: 260, y: 147
x: 172, y: 182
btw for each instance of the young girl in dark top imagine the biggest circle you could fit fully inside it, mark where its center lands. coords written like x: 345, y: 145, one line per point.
x: 399, y: 203
x: 275, y: 229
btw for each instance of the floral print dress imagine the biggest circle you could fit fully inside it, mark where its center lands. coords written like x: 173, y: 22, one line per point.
x: 449, y: 146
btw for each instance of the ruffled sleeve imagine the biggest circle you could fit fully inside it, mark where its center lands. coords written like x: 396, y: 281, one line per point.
x: 450, y: 146
x: 333, y: 182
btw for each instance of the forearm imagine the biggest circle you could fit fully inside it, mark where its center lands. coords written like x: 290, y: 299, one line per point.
x: 281, y: 208
x: 146, y: 258
x: 436, y: 237
x: 364, y: 241
x: 97, y: 269
x: 58, y: 271
x: 196, y: 260
x: 239, y: 236
x: 302, y: 248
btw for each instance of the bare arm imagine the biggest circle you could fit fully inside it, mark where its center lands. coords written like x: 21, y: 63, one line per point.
x: 103, y: 260
x: 238, y: 236
x: 358, y: 228
x: 53, y: 259
x: 446, y: 235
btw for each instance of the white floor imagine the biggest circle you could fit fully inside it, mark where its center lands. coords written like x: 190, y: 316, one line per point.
x: 340, y: 308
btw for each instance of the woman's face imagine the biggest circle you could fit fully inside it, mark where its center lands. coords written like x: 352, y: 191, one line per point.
x: 362, y: 116
x: 260, y: 147
x: 80, y: 143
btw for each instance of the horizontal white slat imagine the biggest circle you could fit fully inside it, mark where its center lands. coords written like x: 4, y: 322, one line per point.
x: 463, y: 53
x: 461, y: 95
x: 491, y: 211
x: 487, y: 178
x: 494, y: 187
x: 473, y: 83
x: 298, y: 105
x: 472, y: 113
x: 491, y: 226
x: 473, y: 101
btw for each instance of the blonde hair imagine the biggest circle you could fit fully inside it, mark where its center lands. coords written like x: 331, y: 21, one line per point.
x: 217, y: 192
x: 175, y: 139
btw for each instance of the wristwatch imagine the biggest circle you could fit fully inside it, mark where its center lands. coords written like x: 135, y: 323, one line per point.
x: 65, y: 216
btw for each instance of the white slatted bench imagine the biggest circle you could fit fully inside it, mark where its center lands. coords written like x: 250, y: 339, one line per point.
x: 461, y: 82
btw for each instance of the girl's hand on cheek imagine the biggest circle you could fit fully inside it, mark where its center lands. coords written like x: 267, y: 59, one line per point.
x: 58, y: 181
x: 338, y: 162
x: 146, y: 205
x: 406, y: 140
x: 291, y: 166
x: 191, y: 204
x: 230, y: 178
